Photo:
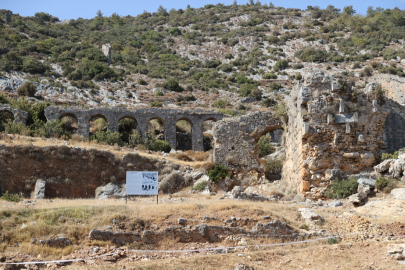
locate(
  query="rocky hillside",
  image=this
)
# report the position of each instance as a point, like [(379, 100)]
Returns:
[(231, 58)]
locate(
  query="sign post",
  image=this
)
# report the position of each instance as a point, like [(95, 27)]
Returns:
[(142, 183)]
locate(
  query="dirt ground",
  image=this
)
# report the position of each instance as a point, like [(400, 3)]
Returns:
[(357, 252)]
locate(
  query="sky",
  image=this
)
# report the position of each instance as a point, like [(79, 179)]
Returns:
[(73, 9)]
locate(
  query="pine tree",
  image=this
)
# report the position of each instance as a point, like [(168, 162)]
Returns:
[(235, 3), (100, 14)]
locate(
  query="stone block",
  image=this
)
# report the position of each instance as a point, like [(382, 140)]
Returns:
[(351, 155), (40, 189), (346, 118), (304, 186), (398, 193)]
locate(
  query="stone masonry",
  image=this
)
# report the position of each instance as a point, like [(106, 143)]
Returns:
[(331, 132), (142, 116), (236, 138), (19, 116)]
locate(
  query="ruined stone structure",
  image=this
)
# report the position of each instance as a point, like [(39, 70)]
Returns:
[(236, 138), (169, 117), (19, 116), (106, 49), (331, 132), (68, 172), (201, 233), (394, 89)]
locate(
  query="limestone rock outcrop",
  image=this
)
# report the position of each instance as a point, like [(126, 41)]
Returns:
[(106, 49)]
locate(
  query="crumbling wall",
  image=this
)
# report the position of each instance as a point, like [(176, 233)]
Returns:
[(236, 138), (68, 172), (19, 115), (330, 133), (394, 90)]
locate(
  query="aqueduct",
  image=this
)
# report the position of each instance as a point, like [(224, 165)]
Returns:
[(168, 117)]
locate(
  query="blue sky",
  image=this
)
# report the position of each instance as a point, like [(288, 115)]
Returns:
[(73, 9)]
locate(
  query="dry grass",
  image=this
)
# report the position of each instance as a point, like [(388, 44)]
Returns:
[(74, 219), (13, 140)]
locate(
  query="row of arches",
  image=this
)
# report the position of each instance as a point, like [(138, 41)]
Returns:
[(127, 125)]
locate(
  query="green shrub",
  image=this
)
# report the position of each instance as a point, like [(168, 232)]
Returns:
[(273, 166), (142, 82), (264, 145), (28, 89), (10, 197), (381, 183), (107, 137), (156, 103), (174, 31), (160, 145), (135, 138), (159, 93), (274, 86), (218, 172), (332, 241), (385, 156), (298, 77), (190, 98), (246, 90), (221, 103), (269, 76), (33, 66), (392, 183), (256, 93), (19, 128), (342, 188), (173, 85), (311, 55), (53, 128), (280, 65), (268, 102), (200, 186)]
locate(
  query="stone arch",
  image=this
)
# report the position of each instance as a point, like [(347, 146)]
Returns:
[(184, 134), (97, 124), (70, 122), (126, 126), (157, 130)]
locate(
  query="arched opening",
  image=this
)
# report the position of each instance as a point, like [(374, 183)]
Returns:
[(127, 126), (208, 134), (184, 134), (5, 117), (156, 128), (271, 152), (70, 123), (97, 123)]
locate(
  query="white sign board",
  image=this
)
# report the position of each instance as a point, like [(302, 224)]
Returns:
[(142, 183)]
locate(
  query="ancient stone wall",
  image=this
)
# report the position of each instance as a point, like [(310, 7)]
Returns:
[(330, 133), (68, 172), (169, 117), (200, 233), (394, 90), (236, 138), (19, 116)]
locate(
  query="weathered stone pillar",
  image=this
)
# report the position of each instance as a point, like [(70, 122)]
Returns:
[(83, 126), (197, 137), (170, 133), (142, 128), (112, 126)]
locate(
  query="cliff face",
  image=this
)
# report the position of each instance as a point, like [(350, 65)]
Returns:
[(332, 130), (68, 172)]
